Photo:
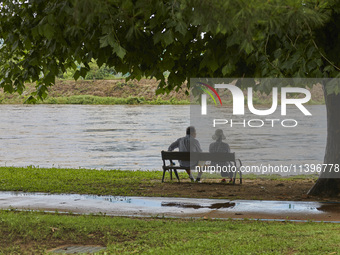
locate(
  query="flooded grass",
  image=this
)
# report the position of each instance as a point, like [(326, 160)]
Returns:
[(35, 233)]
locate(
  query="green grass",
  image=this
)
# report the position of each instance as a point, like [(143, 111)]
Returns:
[(82, 181), (35, 233), (99, 182)]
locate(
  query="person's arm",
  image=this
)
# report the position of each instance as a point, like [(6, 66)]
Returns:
[(197, 146), (174, 145)]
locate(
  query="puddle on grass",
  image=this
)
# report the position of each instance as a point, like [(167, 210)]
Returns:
[(155, 204)]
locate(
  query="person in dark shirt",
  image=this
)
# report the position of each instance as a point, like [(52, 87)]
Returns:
[(220, 146)]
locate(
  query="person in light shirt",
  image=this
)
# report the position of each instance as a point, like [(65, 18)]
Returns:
[(187, 143)]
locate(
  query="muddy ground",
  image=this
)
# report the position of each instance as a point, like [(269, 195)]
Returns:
[(253, 189)]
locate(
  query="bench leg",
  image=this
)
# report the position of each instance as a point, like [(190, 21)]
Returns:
[(163, 175), (170, 174), (176, 174), (240, 176)]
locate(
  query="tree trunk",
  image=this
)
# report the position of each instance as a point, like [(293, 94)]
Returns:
[(328, 183)]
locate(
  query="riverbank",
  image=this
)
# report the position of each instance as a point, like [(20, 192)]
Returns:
[(148, 183), (118, 91), (101, 92)]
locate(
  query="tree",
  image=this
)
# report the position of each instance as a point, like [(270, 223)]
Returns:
[(188, 38)]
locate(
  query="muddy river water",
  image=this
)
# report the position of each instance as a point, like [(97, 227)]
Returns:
[(131, 137)]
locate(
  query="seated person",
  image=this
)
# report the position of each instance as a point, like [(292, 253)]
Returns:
[(187, 143), (220, 146)]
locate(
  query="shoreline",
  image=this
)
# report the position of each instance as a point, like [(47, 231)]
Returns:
[(118, 91)]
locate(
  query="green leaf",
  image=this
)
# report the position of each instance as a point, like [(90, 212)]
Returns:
[(35, 31), (104, 41), (49, 79), (227, 69), (157, 37), (129, 34), (15, 45), (30, 100), (127, 5), (51, 19), (76, 75), (112, 40), (119, 50), (168, 37), (48, 31), (248, 48), (181, 28), (83, 71)]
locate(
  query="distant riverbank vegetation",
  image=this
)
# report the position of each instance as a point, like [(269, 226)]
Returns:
[(101, 92), (103, 86)]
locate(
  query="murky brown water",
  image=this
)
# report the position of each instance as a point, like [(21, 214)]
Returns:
[(101, 137), (131, 137)]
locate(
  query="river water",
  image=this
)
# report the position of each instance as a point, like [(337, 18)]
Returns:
[(131, 137)]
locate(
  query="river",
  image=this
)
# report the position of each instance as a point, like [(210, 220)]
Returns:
[(131, 137)]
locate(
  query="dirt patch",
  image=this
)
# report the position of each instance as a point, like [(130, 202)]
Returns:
[(254, 189)]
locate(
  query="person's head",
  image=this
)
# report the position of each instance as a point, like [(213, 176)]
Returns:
[(218, 135), (191, 131)]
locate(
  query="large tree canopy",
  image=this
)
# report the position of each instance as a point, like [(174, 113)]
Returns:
[(188, 38)]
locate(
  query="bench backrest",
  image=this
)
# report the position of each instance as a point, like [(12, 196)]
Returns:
[(198, 156)]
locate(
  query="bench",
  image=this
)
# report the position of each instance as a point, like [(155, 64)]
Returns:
[(195, 157)]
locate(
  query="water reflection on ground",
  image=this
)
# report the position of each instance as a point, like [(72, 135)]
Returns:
[(167, 206)]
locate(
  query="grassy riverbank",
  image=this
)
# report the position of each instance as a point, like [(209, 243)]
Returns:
[(148, 183), (36, 233), (118, 91), (96, 100), (101, 92), (81, 181)]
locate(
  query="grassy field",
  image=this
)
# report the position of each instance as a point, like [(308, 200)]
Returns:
[(81, 181), (36, 233), (131, 183)]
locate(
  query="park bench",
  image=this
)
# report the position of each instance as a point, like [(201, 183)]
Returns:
[(170, 156)]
